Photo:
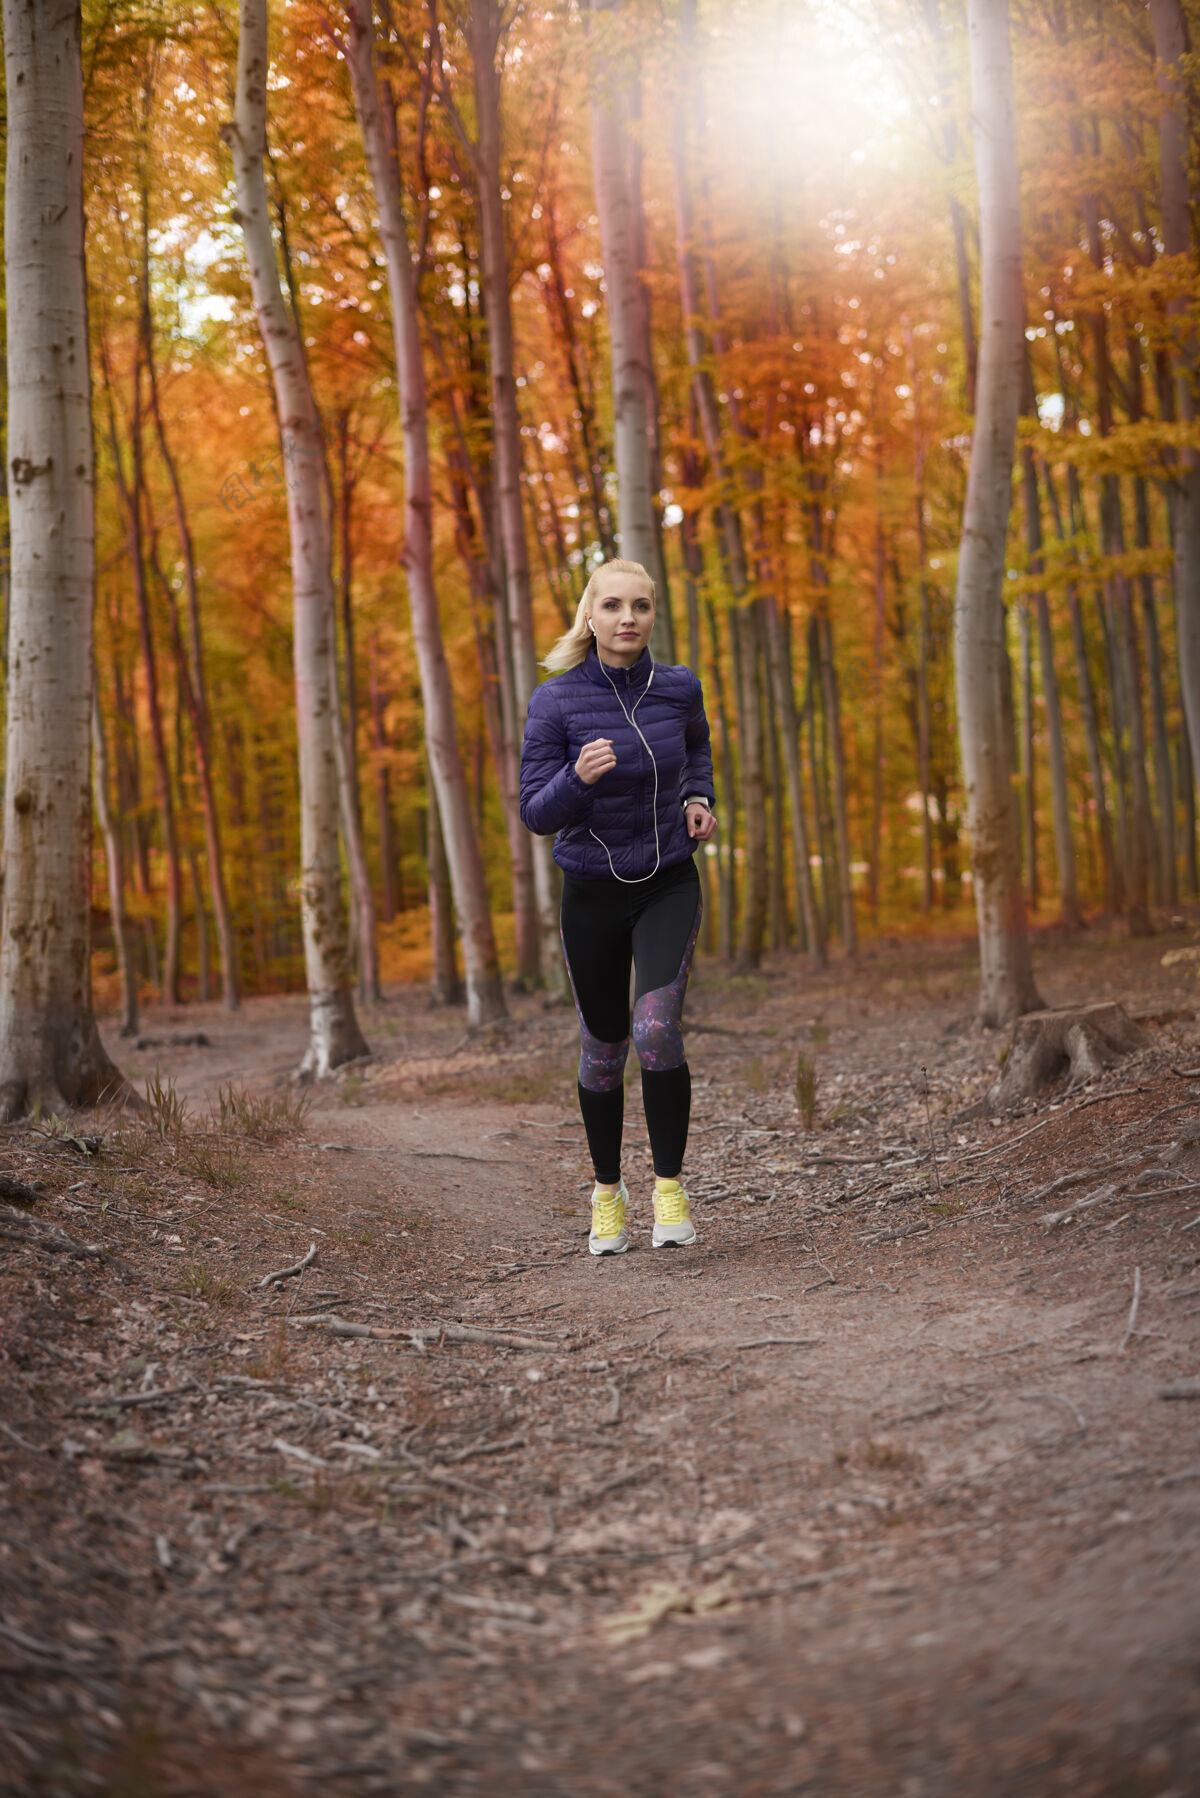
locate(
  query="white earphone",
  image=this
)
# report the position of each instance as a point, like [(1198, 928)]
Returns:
[(631, 718)]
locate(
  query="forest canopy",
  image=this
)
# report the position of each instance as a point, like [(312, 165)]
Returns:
[(746, 236)]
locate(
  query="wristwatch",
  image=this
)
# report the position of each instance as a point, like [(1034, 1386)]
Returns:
[(699, 799)]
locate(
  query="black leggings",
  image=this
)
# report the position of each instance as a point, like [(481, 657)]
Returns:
[(606, 927)]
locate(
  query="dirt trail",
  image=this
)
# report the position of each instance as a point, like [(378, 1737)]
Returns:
[(872, 1491)]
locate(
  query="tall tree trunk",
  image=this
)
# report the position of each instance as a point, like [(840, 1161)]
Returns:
[(1170, 47), (727, 867), (777, 887), (1026, 764), (50, 1049), (484, 24), (560, 307), (632, 378), (346, 739), (1168, 880), (445, 985), (744, 635), (1087, 699), (785, 704), (116, 874), (841, 819), (132, 495), (485, 997), (392, 899), (813, 711), (1187, 799), (335, 1036), (1007, 985), (192, 665), (877, 711), (1064, 846)]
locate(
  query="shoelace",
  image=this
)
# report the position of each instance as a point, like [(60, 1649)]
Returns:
[(671, 1207), (606, 1219)]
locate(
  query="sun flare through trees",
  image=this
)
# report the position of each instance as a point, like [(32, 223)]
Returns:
[(699, 284)]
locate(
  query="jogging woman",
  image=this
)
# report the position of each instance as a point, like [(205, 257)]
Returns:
[(616, 762)]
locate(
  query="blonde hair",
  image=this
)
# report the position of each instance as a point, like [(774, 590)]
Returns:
[(573, 645)]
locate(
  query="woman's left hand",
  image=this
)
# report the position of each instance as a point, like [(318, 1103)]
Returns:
[(701, 823)]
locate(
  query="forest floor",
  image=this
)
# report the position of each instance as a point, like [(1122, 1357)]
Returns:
[(886, 1486)]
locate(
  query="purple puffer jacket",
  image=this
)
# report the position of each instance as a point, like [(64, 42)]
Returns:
[(609, 829)]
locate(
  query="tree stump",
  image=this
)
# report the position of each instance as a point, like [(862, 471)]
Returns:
[(1081, 1041)]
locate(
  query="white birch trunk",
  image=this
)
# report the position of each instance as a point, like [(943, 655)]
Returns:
[(50, 1050), (483, 30), (1170, 45), (335, 1035), (485, 996), (637, 534), (981, 658)]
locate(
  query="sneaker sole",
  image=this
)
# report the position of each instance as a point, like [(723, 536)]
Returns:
[(674, 1242), (621, 1250)]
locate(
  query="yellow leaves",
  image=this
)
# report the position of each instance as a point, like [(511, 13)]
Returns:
[(663, 1600)]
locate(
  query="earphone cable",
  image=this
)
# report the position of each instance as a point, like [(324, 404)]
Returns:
[(631, 719)]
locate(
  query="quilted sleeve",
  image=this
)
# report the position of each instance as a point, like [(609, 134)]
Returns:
[(552, 794)]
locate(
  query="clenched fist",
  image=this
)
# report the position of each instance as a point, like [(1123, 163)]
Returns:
[(595, 759), (700, 822)]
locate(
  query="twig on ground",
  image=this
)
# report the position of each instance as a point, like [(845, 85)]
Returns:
[(1183, 1389), (296, 1453), (474, 1450), (1195, 1223), (625, 1479), (1133, 1310), (34, 1448), (420, 1334), (290, 1273), (896, 1235), (1051, 1220), (125, 1400), (48, 1650), (779, 1342), (614, 1413)]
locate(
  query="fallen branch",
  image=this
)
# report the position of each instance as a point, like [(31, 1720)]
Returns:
[(1050, 1220), (289, 1273), (341, 1326), (33, 1447), (1078, 1177), (1184, 1389), (419, 1334), (896, 1235), (779, 1342), (1133, 1310), (474, 1450), (126, 1400), (297, 1454)]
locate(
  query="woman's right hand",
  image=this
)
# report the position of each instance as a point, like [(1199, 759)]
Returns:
[(595, 759)]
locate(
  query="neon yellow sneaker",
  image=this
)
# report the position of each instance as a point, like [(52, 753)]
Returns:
[(608, 1234), (673, 1226)]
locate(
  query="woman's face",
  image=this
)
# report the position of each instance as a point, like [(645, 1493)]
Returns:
[(622, 618)]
